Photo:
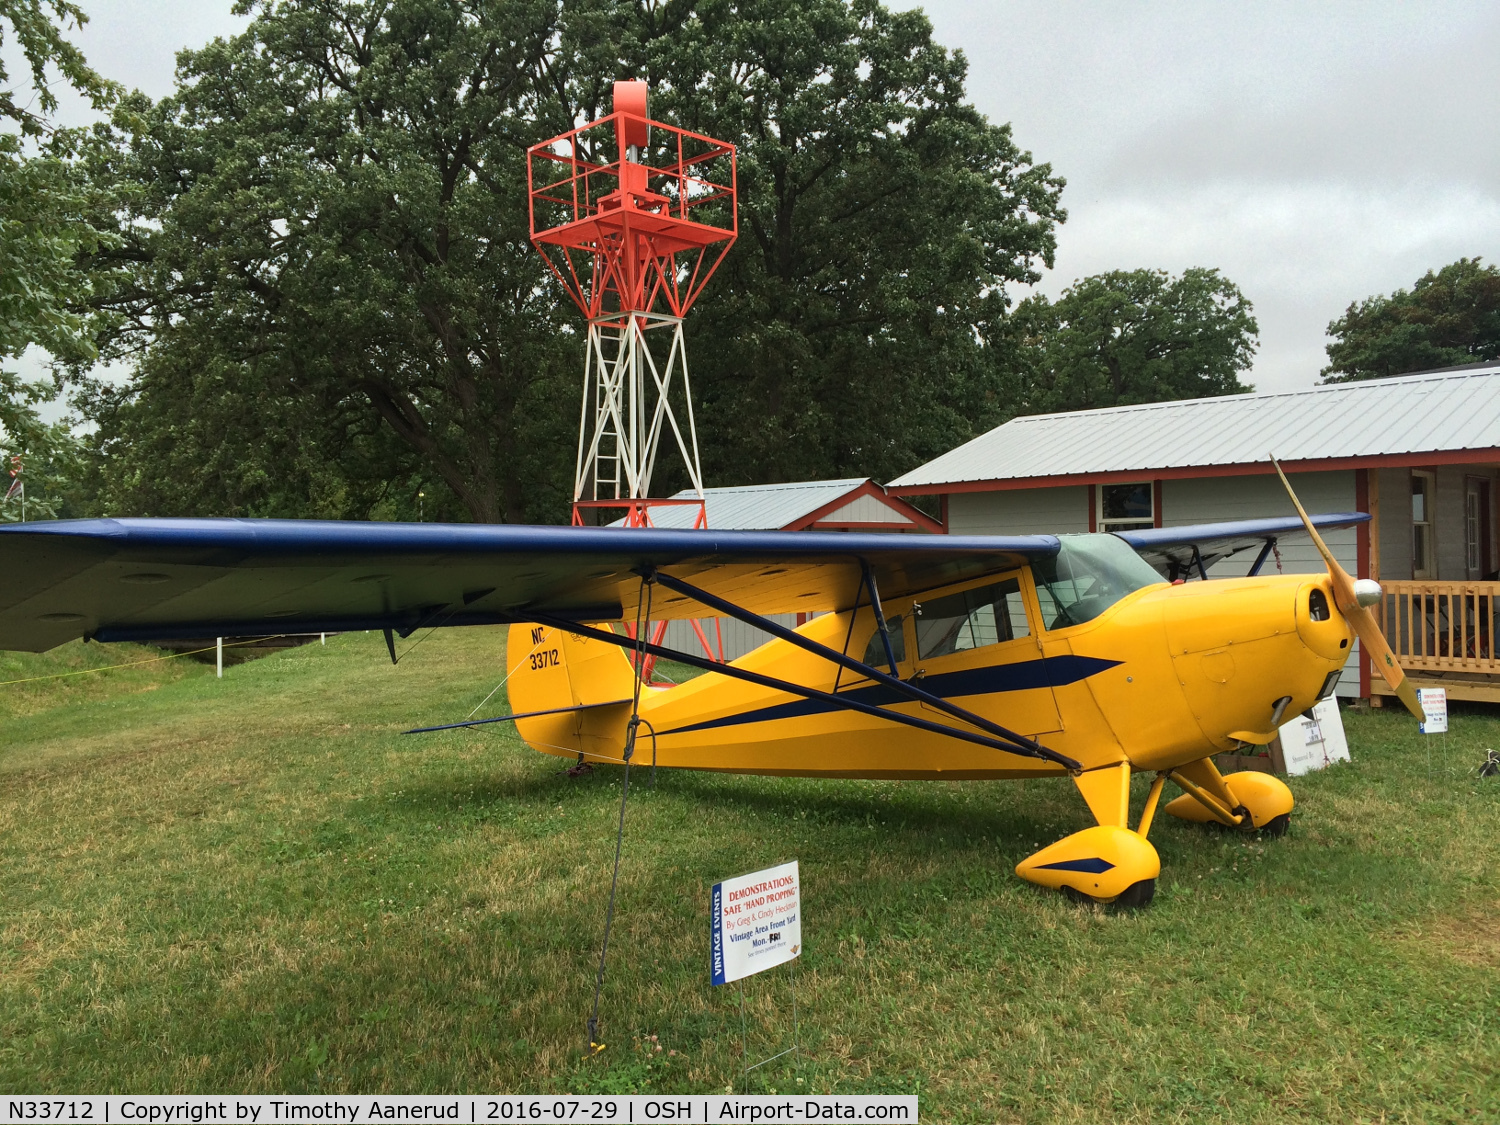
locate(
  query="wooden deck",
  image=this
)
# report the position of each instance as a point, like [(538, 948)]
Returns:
[(1443, 633)]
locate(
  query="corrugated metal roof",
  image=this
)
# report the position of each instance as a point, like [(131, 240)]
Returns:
[(1431, 412), (755, 507)]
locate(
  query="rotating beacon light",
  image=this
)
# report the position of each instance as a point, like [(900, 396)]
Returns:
[(633, 217)]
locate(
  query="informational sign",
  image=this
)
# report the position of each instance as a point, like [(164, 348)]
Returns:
[(1309, 744), (756, 922), (1434, 701)]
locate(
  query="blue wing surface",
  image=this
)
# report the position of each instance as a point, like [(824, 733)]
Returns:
[(1171, 549), (149, 579)]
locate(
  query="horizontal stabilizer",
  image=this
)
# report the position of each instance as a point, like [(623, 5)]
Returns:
[(513, 718)]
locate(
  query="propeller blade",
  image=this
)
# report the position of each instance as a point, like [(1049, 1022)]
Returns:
[(1360, 619)]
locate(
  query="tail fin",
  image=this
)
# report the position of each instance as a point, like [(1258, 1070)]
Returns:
[(552, 669)]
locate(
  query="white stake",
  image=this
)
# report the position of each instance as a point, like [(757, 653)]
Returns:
[(220, 649), (323, 638)]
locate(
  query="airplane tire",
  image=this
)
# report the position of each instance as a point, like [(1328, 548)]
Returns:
[(1277, 825), (1137, 896), (1134, 897)]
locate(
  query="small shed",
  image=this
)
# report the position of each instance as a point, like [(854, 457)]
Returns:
[(851, 504), (1420, 453)]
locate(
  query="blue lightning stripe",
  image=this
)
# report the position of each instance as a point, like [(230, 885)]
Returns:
[(1094, 866), (1054, 671)]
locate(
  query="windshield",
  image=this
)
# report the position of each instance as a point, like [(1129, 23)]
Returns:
[(1089, 574)]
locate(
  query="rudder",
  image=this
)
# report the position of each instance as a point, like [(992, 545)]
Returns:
[(550, 669)]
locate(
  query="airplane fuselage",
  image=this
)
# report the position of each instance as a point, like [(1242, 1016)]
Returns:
[(1163, 676)]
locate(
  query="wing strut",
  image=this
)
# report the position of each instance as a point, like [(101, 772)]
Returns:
[(1029, 746), (885, 632), (1260, 559)]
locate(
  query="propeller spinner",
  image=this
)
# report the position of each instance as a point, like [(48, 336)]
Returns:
[(1353, 599)]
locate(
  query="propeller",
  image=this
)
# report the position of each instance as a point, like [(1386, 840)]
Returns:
[(1353, 599)]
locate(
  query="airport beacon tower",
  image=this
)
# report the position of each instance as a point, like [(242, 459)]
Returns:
[(633, 217)]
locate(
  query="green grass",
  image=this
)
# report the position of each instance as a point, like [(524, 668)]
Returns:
[(258, 884)]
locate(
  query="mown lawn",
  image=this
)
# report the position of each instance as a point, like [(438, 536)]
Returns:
[(259, 884)]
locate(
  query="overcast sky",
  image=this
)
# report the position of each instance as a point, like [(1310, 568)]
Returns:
[(1316, 153)]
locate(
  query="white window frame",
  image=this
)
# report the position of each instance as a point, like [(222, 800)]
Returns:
[(1429, 570), (1474, 552)]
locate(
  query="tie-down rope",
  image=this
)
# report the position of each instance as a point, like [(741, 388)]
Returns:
[(642, 619)]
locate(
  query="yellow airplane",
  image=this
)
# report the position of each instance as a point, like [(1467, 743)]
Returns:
[(940, 656), (1083, 664)]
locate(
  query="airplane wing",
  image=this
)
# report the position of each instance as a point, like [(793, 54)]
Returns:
[(1177, 551), (149, 579)]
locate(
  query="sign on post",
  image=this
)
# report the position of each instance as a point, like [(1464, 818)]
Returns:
[(756, 922), (1434, 701)]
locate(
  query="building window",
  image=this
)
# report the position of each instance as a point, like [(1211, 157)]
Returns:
[(1477, 527), (1423, 492), (1471, 532), (1126, 507)]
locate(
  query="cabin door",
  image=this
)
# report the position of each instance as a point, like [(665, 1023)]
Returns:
[(977, 646)]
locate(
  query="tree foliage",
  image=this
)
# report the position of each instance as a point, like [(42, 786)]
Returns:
[(1132, 336), (883, 218), (42, 225), (44, 232), (1448, 318), (38, 27), (324, 233)]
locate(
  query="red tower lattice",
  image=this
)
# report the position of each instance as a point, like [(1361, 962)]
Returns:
[(633, 216)]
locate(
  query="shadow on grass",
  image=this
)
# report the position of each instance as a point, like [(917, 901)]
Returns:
[(1025, 813)]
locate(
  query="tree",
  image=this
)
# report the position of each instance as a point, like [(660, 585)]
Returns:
[(43, 234), (1132, 336), (1449, 318), (328, 221), (882, 219)]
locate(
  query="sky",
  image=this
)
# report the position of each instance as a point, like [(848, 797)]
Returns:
[(1316, 152)]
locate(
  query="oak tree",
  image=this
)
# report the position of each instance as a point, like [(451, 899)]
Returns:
[(44, 231), (324, 230), (1448, 318), (1132, 336)]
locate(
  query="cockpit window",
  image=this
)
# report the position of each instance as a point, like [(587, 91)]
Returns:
[(875, 655), (1087, 576), (969, 619)]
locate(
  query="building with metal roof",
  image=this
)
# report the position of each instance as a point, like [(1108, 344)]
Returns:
[(851, 504), (1455, 413), (1420, 453)]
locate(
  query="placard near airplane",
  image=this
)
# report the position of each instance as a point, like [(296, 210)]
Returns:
[(756, 922), (1434, 702), (1309, 744)]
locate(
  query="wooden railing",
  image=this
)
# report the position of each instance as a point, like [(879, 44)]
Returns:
[(1441, 626)]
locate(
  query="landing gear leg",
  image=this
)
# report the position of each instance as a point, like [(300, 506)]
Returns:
[(1108, 864), (1247, 801)]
